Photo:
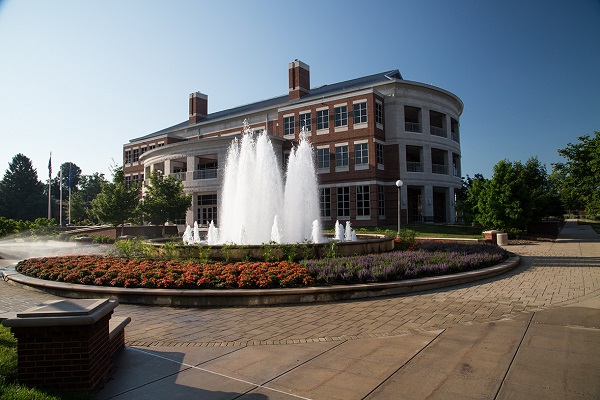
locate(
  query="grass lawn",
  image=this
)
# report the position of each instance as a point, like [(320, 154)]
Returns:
[(10, 389), (594, 224), (430, 230)]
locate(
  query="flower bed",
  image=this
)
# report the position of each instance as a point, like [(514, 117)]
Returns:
[(431, 258)]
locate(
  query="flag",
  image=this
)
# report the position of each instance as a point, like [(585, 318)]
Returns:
[(70, 165), (50, 167)]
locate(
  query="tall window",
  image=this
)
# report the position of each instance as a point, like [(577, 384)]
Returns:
[(341, 156), (379, 152), (323, 158), (127, 156), (363, 203), (136, 155), (360, 113), (322, 119), (341, 116), (343, 201), (288, 125), (306, 122), (325, 202), (379, 113), (127, 181), (207, 209), (361, 153), (381, 199)]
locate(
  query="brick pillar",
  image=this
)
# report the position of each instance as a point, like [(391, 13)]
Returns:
[(64, 357)]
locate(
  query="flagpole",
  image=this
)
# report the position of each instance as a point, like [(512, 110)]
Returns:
[(49, 186), (60, 197), (70, 193)]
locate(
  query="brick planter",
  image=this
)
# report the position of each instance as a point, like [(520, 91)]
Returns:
[(66, 344)]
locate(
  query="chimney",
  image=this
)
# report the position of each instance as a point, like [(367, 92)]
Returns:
[(299, 74), (198, 107)]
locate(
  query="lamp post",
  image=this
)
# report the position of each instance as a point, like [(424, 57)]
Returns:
[(399, 183)]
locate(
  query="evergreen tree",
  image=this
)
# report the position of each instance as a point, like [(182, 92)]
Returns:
[(164, 199), (21, 194)]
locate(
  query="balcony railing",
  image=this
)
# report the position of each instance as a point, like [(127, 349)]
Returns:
[(210, 173), (180, 175), (439, 169), (437, 131), (412, 127), (414, 166), (456, 172), (455, 137)]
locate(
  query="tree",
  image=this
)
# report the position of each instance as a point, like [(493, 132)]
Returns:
[(466, 203), (516, 195), (164, 199), (579, 182), (21, 194), (90, 186), (117, 203)]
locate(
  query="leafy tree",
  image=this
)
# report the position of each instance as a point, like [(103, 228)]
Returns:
[(164, 199), (516, 195), (466, 203), (579, 176), (79, 212), (117, 203), (90, 186), (21, 194)]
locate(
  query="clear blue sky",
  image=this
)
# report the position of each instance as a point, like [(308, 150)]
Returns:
[(81, 78)]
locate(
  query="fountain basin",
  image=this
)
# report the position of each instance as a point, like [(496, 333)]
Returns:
[(368, 244)]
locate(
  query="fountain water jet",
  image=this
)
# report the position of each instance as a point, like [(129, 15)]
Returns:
[(253, 192)]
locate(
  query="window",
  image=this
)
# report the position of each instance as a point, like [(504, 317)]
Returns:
[(379, 153), (151, 147), (379, 113), (361, 153), (341, 156), (128, 181), (322, 119), (381, 199), (412, 119), (323, 158), (127, 156), (136, 178), (363, 203), (207, 209), (161, 144), (341, 116), (325, 202), (136, 155), (343, 201), (143, 150), (360, 113), (306, 121), (288, 125)]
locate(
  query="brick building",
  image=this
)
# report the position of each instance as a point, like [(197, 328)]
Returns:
[(367, 133)]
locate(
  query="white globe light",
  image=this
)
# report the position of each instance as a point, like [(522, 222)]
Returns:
[(399, 183)]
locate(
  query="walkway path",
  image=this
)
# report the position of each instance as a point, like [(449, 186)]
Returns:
[(470, 341)]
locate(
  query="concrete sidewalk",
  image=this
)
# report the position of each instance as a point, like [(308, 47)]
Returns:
[(531, 333)]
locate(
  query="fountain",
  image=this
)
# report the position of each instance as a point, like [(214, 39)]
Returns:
[(254, 192), (258, 206)]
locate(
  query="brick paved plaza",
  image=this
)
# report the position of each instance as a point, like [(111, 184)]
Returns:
[(555, 281)]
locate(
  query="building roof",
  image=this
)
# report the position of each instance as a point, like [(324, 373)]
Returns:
[(363, 82)]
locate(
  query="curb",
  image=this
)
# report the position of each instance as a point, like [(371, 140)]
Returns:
[(260, 297)]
